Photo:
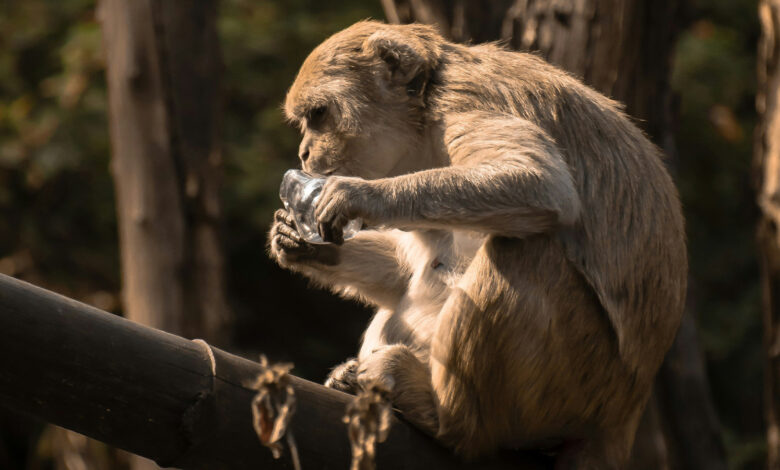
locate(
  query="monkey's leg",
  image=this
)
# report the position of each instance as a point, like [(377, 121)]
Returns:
[(396, 368), (606, 450), (522, 355), (344, 377), (468, 381)]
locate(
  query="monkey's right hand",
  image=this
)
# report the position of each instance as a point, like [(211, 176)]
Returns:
[(288, 248)]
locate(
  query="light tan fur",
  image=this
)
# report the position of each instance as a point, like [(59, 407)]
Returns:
[(525, 244)]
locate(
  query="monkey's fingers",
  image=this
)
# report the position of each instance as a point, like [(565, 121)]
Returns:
[(289, 232), (331, 220), (289, 238), (330, 233), (289, 251), (289, 244), (283, 216), (281, 237)]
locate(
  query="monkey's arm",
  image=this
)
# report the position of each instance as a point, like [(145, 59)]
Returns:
[(365, 267), (507, 178), (369, 269)]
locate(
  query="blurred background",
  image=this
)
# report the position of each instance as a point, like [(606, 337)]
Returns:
[(64, 202)]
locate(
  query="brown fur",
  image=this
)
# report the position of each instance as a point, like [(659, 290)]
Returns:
[(526, 247)]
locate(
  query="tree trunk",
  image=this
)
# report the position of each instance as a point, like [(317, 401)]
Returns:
[(163, 68), (163, 65), (623, 49), (767, 155)]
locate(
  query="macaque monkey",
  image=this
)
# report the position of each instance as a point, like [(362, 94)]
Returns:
[(524, 244)]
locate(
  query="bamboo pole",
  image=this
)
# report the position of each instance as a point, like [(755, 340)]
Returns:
[(181, 403)]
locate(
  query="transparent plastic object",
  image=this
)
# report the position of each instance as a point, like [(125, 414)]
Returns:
[(300, 193)]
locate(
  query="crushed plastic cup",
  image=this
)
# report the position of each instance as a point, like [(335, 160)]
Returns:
[(300, 193)]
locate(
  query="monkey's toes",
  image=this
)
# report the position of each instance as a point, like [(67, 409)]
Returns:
[(344, 377)]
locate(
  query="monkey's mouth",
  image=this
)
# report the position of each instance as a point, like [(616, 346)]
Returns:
[(322, 170), (338, 171), (327, 170)]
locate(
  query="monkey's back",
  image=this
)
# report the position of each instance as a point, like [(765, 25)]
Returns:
[(629, 243)]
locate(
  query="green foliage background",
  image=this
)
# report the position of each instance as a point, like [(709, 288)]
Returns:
[(58, 228)]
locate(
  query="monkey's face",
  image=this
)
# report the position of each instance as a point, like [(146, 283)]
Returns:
[(385, 144), (358, 102)]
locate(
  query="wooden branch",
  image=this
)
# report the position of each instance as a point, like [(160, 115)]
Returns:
[(181, 403)]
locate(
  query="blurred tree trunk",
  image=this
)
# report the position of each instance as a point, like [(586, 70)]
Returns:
[(767, 157), (624, 49), (163, 69)]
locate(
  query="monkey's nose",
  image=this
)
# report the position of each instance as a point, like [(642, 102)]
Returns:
[(304, 155)]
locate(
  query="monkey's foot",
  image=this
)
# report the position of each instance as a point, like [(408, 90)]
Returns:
[(396, 369), (343, 377)]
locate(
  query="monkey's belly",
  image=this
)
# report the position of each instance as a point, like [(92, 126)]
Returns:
[(412, 322), (438, 259)]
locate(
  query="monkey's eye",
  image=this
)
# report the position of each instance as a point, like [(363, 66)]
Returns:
[(316, 116)]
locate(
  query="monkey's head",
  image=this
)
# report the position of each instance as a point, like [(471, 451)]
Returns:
[(359, 100)]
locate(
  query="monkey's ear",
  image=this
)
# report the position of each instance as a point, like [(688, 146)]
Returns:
[(410, 54)]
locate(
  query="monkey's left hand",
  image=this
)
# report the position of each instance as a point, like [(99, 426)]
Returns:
[(343, 199), (287, 246)]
